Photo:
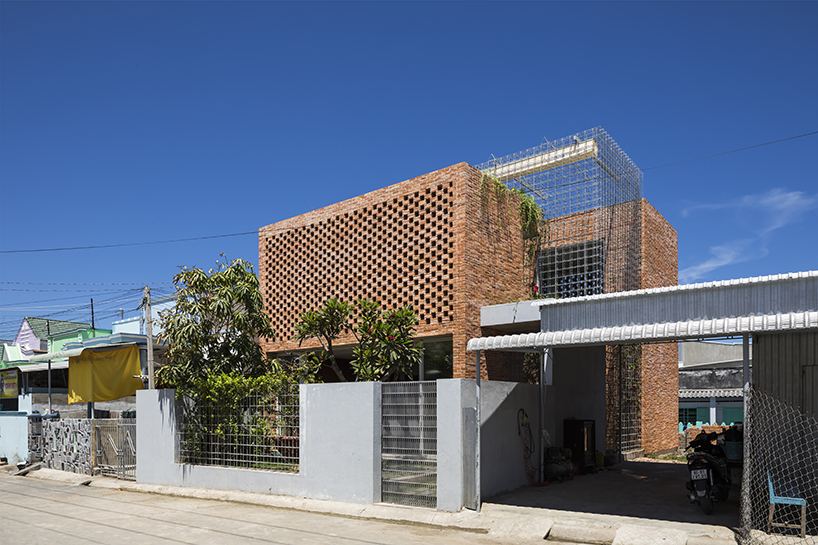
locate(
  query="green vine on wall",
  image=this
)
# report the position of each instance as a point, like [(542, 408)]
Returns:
[(531, 221)]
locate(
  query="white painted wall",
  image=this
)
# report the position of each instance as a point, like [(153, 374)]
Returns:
[(14, 437)]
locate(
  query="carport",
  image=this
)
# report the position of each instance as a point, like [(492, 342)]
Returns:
[(783, 308)]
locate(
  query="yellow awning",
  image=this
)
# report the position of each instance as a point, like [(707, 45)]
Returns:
[(103, 375)]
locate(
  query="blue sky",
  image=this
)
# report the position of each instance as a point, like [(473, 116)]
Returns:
[(143, 121)]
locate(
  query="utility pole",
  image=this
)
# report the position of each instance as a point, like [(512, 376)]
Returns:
[(48, 330), (146, 302), (92, 315)]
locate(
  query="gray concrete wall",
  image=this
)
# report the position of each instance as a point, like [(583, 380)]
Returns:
[(341, 444), (340, 447), (579, 390), (701, 352), (502, 458), (14, 436), (455, 462)]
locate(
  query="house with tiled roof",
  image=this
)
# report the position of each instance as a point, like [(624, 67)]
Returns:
[(32, 337)]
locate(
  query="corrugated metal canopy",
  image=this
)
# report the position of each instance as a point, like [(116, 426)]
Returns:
[(32, 367), (59, 355), (672, 331), (700, 393)]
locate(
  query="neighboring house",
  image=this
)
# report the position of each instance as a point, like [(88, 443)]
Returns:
[(32, 337), (135, 325), (451, 241), (711, 383)]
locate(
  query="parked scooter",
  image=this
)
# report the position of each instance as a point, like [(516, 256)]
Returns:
[(709, 475)]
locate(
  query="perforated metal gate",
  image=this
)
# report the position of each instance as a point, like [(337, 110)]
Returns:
[(409, 443)]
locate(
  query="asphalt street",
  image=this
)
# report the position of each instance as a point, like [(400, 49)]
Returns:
[(44, 512)]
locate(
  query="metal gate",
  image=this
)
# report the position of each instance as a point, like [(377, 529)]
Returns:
[(115, 447), (409, 443)]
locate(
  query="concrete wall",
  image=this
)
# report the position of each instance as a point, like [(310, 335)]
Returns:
[(14, 436), (455, 459), (340, 447), (341, 444), (502, 458), (699, 352)]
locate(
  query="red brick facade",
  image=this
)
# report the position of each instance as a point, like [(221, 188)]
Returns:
[(660, 362), (436, 242), (447, 243)]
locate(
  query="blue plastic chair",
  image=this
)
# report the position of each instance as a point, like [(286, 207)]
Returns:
[(791, 496)]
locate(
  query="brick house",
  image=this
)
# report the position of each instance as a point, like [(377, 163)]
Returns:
[(449, 243)]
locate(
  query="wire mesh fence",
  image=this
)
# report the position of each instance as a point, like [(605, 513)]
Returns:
[(115, 447), (257, 431), (409, 443), (779, 501)]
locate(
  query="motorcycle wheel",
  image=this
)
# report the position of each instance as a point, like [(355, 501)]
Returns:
[(723, 493), (707, 504)]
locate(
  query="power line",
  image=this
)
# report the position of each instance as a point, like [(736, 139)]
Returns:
[(86, 283), (98, 290), (126, 244), (121, 245), (731, 151)]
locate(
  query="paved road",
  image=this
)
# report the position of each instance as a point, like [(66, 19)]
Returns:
[(45, 512)]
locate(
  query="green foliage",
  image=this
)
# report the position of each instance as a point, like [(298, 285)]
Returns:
[(237, 419), (385, 348), (531, 223), (215, 325), (325, 324)]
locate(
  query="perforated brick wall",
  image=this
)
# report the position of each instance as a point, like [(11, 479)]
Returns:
[(434, 242)]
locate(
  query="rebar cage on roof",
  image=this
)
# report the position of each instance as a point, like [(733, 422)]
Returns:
[(589, 191)]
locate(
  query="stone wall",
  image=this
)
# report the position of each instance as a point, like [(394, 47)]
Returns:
[(68, 445)]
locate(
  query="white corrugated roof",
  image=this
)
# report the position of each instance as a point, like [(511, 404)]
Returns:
[(693, 329), (31, 367), (710, 392), (684, 287)]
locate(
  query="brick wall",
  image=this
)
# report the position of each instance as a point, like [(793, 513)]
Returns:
[(660, 362), (436, 242)]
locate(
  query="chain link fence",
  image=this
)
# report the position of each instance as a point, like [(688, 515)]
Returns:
[(779, 502), (259, 431)]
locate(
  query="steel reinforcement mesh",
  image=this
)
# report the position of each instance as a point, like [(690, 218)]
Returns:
[(779, 497), (623, 412), (589, 191), (409, 443)]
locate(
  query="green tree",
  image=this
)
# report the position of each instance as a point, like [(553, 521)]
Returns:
[(324, 324), (215, 324), (385, 348)]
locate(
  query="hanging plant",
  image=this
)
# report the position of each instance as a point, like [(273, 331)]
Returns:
[(531, 222)]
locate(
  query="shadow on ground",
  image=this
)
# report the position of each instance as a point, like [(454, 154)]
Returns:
[(642, 489)]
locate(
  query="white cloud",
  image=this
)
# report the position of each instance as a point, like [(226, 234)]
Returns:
[(770, 211), (732, 252)]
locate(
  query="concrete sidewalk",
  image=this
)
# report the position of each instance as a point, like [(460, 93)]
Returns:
[(505, 522)]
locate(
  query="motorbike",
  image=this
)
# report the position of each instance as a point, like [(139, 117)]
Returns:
[(709, 475)]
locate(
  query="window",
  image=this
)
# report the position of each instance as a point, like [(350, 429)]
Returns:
[(572, 270), (687, 415)]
